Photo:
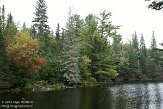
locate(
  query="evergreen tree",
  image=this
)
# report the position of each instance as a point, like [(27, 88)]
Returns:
[(41, 20), (153, 42), (24, 29), (154, 58), (122, 61), (70, 53), (142, 44), (58, 38), (96, 48), (106, 28), (87, 33), (1, 45), (105, 54), (1, 55), (143, 55), (134, 62), (5, 76), (135, 43), (104, 23), (117, 43), (33, 31), (11, 28), (57, 33), (3, 18)]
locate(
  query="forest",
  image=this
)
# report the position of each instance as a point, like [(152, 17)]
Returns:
[(85, 52)]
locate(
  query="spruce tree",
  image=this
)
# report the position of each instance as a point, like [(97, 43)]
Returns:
[(134, 63), (41, 20), (70, 53), (10, 29), (1, 45), (153, 42), (3, 18), (25, 29), (153, 58), (142, 43), (143, 55), (57, 33), (117, 43), (58, 38), (135, 43), (4, 77)]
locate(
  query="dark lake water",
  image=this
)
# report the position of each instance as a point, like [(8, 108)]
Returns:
[(121, 96)]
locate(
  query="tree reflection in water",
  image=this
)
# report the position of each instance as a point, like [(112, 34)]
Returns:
[(121, 96), (133, 96)]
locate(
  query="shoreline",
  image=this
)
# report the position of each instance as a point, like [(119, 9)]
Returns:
[(41, 88)]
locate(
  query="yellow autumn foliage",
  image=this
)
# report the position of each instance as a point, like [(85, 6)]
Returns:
[(22, 51)]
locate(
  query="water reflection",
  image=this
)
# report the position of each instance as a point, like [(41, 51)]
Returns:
[(158, 99), (123, 96), (136, 96)]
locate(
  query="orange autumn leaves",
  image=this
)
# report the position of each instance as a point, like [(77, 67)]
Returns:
[(22, 51)]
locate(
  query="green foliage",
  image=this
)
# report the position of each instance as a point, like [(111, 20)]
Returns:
[(89, 82), (59, 41), (134, 63), (1, 44), (70, 52), (153, 42), (103, 75), (40, 20), (122, 64), (10, 29), (143, 55), (117, 43), (5, 76), (106, 28), (49, 73), (84, 64), (135, 43), (56, 86), (25, 29), (85, 52), (95, 44), (20, 83), (88, 32), (22, 53), (3, 19), (48, 44)]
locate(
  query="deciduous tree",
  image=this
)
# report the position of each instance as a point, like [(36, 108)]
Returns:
[(22, 52)]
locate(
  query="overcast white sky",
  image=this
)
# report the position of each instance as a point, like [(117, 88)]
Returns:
[(133, 15)]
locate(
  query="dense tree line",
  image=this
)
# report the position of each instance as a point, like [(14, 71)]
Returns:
[(86, 51)]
